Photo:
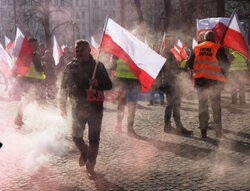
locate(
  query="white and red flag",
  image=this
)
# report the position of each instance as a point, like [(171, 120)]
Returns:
[(235, 37), (176, 53), (57, 51), (194, 43), (8, 45), (179, 51), (22, 52), (143, 62), (94, 47), (217, 25), (5, 62)]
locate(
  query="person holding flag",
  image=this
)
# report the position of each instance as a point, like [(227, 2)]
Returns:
[(31, 80), (78, 79), (210, 65), (172, 91)]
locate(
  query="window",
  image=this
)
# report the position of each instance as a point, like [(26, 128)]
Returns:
[(76, 3), (83, 26), (83, 15), (84, 3), (77, 16), (105, 3)]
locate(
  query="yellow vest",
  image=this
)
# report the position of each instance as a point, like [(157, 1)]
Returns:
[(32, 73), (239, 62), (123, 71)]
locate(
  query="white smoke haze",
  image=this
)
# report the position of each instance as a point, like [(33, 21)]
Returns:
[(43, 135)]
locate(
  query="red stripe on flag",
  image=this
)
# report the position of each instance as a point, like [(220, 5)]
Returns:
[(111, 47), (93, 51), (24, 59), (176, 54), (237, 44), (219, 30)]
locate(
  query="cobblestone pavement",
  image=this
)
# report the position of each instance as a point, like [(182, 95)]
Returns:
[(153, 161)]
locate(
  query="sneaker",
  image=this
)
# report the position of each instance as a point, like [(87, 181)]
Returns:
[(203, 133), (169, 129), (183, 131)]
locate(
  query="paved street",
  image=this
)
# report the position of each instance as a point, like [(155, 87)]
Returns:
[(41, 155)]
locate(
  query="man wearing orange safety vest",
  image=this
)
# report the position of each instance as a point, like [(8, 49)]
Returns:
[(210, 64)]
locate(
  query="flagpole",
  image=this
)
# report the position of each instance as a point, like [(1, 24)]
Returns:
[(163, 38), (99, 49), (228, 26)]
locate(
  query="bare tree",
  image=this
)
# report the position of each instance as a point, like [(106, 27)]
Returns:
[(40, 12), (141, 29), (139, 11), (220, 8), (167, 5)]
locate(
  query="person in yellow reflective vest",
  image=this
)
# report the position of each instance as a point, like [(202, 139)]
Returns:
[(126, 82), (237, 76), (31, 82)]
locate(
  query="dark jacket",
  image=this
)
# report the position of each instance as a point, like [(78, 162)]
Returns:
[(50, 69), (223, 63), (75, 83), (63, 61), (36, 59), (170, 72)]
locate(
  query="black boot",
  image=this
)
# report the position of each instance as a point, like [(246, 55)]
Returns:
[(203, 133), (168, 128), (183, 131), (83, 148)]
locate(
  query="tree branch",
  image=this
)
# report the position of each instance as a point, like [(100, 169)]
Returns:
[(53, 30)]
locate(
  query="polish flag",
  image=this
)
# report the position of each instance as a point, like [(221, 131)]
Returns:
[(176, 53), (62, 48), (5, 62), (179, 51), (8, 45), (218, 25), (235, 37), (182, 48), (194, 43), (94, 47), (143, 62), (57, 51), (22, 53)]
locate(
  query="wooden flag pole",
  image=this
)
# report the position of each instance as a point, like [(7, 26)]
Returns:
[(99, 50), (163, 39)]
